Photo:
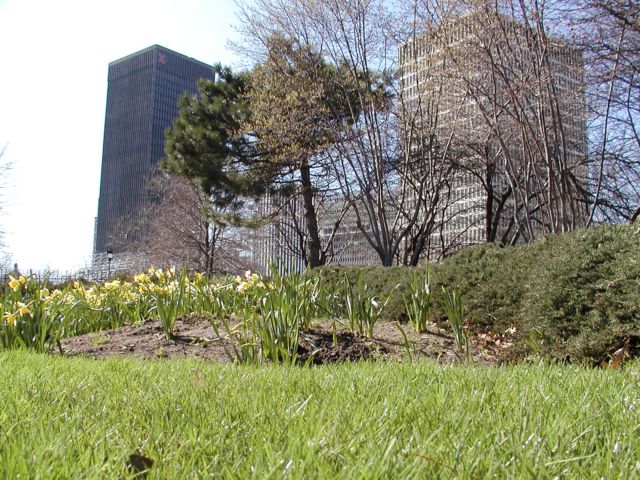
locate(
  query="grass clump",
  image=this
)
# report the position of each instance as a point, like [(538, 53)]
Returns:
[(362, 309), (170, 303), (388, 283), (454, 310), (418, 301)]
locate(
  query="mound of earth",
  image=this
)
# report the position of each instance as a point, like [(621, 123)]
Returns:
[(195, 337), (323, 347)]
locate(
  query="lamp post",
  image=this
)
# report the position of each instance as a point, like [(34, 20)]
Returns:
[(109, 258)]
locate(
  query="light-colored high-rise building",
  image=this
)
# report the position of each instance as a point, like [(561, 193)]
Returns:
[(279, 242), (508, 104), (348, 245)]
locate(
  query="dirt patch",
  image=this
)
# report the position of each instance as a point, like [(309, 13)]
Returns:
[(324, 343), (193, 337), (323, 346)]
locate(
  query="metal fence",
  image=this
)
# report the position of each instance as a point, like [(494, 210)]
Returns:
[(50, 276), (99, 271)]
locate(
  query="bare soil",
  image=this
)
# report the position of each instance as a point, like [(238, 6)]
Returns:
[(195, 337)]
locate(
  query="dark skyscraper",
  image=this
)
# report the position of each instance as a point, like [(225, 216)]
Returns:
[(142, 97)]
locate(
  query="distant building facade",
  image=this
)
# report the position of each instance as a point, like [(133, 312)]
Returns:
[(480, 110), (142, 98), (349, 247), (282, 240)]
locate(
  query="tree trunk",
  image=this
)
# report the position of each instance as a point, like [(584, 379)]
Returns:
[(490, 233), (418, 246), (310, 216)]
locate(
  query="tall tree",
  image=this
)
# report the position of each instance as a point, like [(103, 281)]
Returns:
[(609, 32), (521, 89), (206, 143), (185, 228), (402, 163), (296, 116), (360, 40), (182, 228)]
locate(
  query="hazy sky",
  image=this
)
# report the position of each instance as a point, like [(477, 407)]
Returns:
[(53, 87)]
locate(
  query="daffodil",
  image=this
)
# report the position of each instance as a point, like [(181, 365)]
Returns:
[(10, 319), (113, 285), (141, 278), (23, 309), (14, 284)]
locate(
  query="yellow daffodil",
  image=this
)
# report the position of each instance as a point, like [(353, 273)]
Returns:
[(22, 280), (23, 309), (14, 284), (10, 319), (113, 285), (141, 278)]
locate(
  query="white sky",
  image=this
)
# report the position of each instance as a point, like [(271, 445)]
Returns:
[(54, 57)]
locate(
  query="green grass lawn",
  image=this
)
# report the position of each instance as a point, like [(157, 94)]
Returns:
[(76, 418)]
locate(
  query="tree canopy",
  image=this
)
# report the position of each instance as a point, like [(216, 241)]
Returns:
[(265, 131), (206, 143)]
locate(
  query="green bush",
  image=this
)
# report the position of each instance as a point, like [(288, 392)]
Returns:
[(582, 299), (570, 297)]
